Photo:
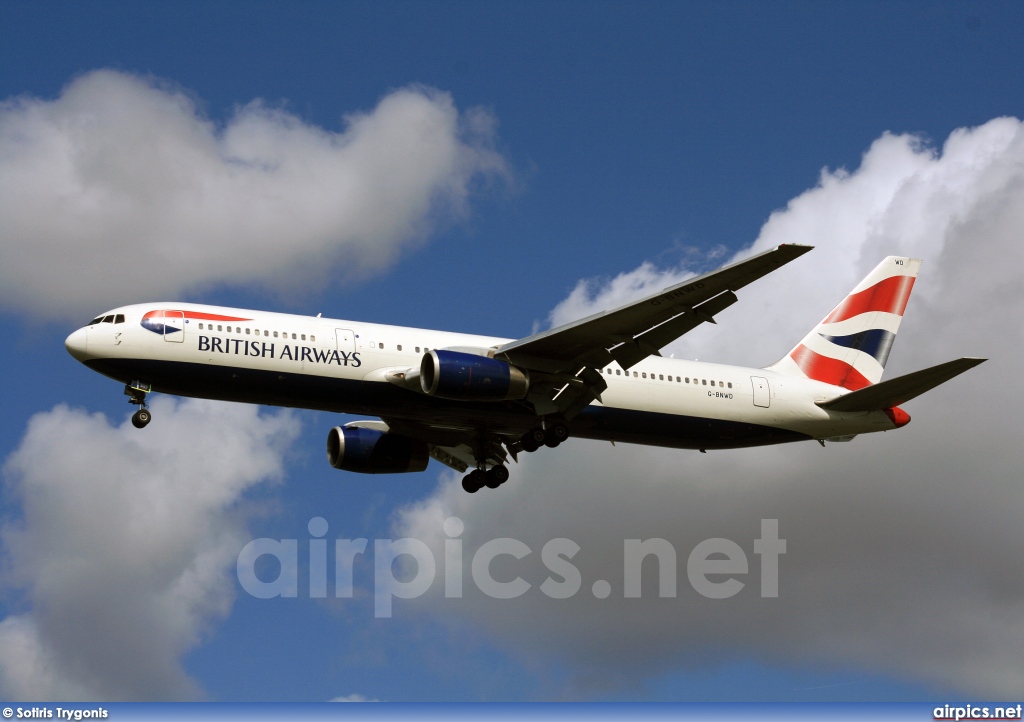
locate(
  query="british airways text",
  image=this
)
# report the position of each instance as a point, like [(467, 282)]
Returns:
[(267, 350)]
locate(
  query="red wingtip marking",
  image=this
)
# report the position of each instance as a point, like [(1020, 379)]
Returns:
[(898, 416)]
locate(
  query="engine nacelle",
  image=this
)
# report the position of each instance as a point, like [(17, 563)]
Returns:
[(371, 451), (468, 377)]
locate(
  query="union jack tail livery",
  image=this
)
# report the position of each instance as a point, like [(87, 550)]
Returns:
[(850, 346)]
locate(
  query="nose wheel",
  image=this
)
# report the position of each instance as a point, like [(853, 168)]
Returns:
[(136, 392)]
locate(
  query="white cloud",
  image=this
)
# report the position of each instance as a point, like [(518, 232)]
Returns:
[(125, 550), (355, 697), (123, 190), (903, 548)]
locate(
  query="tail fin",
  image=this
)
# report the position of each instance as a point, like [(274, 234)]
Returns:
[(850, 346)]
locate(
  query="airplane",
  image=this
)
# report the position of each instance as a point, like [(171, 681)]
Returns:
[(472, 402)]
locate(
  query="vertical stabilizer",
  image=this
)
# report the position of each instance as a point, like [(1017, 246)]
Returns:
[(850, 346)]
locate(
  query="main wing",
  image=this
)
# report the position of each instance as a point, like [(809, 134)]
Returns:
[(632, 332), (564, 361)]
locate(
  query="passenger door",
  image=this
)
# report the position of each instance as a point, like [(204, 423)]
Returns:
[(762, 392)]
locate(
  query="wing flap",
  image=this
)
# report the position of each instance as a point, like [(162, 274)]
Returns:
[(891, 393), (648, 343)]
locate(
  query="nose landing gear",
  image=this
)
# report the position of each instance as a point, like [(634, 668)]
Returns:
[(136, 392)]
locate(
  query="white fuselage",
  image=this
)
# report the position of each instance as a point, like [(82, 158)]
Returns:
[(342, 366)]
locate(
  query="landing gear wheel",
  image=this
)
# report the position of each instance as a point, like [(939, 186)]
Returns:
[(556, 433), (497, 476), (532, 439), (473, 481), (136, 391)]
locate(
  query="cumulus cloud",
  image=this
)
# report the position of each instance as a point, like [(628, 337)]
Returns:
[(123, 555), (123, 189), (903, 547)]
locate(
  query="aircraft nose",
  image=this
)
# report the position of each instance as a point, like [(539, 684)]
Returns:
[(78, 343)]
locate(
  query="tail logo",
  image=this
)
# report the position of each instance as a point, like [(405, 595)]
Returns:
[(888, 296), (850, 346)]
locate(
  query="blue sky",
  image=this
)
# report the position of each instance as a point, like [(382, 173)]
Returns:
[(631, 133)]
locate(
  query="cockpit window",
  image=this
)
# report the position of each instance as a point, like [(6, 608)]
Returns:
[(98, 319), (108, 319), (119, 318)]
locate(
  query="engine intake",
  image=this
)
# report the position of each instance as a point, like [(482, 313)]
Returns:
[(468, 377), (371, 451)]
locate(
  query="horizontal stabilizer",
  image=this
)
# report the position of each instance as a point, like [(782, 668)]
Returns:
[(887, 394)]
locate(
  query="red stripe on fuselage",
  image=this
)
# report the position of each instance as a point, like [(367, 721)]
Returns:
[(195, 315), (830, 370), (888, 296)]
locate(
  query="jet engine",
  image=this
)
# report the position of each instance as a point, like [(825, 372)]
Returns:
[(469, 377), (371, 451)]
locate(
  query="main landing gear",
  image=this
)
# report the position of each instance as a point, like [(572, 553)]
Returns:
[(551, 435), (136, 392), (477, 479)]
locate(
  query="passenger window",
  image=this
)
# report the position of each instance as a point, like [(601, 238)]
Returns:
[(643, 375), (617, 372), (634, 374), (275, 334), (220, 328), (704, 381), (721, 385), (119, 318), (399, 347), (303, 337), (417, 349), (730, 384), (312, 338), (200, 325), (248, 331), (380, 346), (660, 377)]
